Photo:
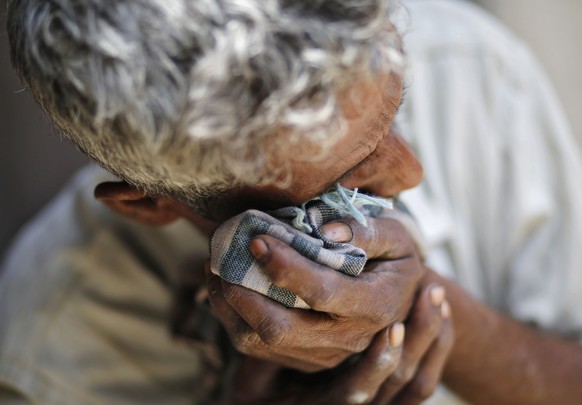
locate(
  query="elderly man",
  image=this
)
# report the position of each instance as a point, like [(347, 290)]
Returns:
[(205, 109)]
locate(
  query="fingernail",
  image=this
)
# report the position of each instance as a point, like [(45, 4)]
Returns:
[(259, 248), (437, 295), (446, 310), (337, 232), (396, 335)]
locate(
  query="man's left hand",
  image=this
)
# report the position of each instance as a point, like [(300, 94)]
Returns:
[(346, 311)]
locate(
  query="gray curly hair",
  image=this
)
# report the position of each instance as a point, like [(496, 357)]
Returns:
[(177, 97)]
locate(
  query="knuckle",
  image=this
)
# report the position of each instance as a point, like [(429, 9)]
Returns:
[(373, 239), (230, 292), (364, 237), (357, 228), (279, 277), (272, 333), (381, 313), (400, 249), (421, 388), (358, 345), (278, 256), (385, 314), (376, 315), (401, 239), (245, 342), (280, 259), (398, 228), (323, 296)]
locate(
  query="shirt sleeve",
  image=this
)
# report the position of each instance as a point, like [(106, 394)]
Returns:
[(543, 222), (85, 301), (502, 195)]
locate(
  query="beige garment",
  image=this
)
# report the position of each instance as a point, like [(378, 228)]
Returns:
[(84, 308), (501, 201)]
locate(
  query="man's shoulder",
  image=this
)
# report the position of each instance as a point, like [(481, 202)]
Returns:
[(39, 265), (76, 221), (79, 276), (76, 241), (456, 26), (67, 220)]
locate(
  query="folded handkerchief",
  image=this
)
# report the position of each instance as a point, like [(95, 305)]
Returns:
[(232, 260)]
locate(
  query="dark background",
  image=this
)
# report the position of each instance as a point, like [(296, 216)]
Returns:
[(35, 162)]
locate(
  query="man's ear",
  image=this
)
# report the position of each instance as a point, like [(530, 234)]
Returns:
[(136, 204)]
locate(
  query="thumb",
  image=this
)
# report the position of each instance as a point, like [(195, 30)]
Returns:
[(382, 238)]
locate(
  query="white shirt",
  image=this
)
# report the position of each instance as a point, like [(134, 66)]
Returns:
[(85, 294), (500, 203)]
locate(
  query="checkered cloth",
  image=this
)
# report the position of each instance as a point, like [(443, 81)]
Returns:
[(232, 260)]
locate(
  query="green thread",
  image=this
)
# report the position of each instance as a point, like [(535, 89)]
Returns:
[(345, 201)]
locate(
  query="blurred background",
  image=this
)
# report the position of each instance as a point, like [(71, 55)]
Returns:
[(35, 162)]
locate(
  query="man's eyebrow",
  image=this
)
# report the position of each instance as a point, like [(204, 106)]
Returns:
[(367, 158)]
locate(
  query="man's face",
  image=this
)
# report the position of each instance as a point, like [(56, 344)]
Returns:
[(371, 156)]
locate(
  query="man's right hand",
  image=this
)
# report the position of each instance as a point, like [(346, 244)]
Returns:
[(347, 312), (394, 369)]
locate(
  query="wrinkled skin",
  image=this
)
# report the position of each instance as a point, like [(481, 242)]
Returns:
[(349, 316)]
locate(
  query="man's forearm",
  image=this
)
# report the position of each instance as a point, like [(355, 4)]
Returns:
[(499, 360)]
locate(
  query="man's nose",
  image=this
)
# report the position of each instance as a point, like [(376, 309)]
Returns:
[(394, 169), (391, 183)]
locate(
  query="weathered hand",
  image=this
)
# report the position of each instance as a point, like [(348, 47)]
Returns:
[(429, 340), (256, 381), (347, 311), (386, 373)]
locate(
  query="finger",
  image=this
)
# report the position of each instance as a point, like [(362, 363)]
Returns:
[(381, 238), (252, 380), (422, 330), (429, 373), (363, 382), (232, 321), (312, 348), (248, 342), (282, 327), (324, 289), (241, 334)]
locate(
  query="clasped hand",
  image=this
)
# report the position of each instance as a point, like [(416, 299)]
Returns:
[(391, 313)]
